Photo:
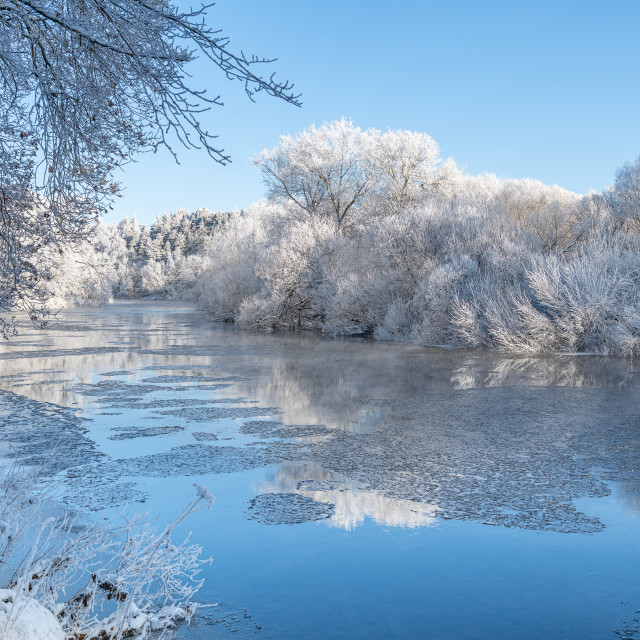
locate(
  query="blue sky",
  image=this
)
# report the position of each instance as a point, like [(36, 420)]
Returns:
[(547, 90)]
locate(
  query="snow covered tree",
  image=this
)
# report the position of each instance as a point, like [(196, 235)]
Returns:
[(409, 168), (624, 195), (324, 170), (341, 172), (85, 87), (550, 213)]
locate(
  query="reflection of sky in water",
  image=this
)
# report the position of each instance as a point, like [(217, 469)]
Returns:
[(435, 473)]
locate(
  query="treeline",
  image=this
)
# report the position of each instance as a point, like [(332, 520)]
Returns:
[(372, 233), (131, 260)]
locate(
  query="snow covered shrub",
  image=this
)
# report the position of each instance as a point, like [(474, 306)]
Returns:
[(448, 274), (234, 254), (549, 215), (439, 252), (271, 269), (291, 272), (434, 297), (73, 579), (181, 274), (356, 302), (222, 291), (84, 273), (129, 260), (370, 233), (152, 279), (585, 302)]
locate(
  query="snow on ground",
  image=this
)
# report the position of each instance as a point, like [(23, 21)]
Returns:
[(22, 618)]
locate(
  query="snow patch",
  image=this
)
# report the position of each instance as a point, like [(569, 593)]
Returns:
[(23, 618)]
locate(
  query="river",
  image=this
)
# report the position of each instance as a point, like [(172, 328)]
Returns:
[(363, 489)]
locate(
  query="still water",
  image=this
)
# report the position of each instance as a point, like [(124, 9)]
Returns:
[(363, 490)]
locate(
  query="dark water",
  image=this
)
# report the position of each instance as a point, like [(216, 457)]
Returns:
[(363, 490)]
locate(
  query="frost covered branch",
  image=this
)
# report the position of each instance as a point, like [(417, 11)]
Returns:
[(122, 578), (84, 88)]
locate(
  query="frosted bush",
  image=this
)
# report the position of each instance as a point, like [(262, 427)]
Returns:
[(151, 278), (434, 297), (291, 272), (396, 324), (360, 304), (109, 579), (84, 273), (222, 291), (129, 260), (459, 273), (234, 254), (586, 302)]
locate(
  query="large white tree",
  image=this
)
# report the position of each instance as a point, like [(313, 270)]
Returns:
[(324, 170), (408, 166), (339, 171), (86, 85)]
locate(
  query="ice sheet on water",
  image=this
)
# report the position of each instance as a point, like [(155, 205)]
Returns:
[(179, 379), (120, 372), (35, 429), (103, 494), (287, 508), (207, 414), (512, 455), (204, 436), (131, 433), (58, 353), (189, 402), (496, 456), (118, 388), (40, 383), (207, 351), (270, 429), (180, 367), (199, 459)]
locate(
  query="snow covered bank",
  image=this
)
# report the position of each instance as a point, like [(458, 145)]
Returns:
[(23, 618)]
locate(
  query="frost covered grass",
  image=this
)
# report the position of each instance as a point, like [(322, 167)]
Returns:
[(70, 578)]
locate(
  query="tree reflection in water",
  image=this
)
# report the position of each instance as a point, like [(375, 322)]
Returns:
[(411, 433)]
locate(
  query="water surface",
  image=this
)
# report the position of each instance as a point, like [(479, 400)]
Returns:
[(363, 490)]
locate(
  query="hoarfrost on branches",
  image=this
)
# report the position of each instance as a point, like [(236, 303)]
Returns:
[(341, 172), (69, 578), (84, 88), (204, 494), (371, 233)]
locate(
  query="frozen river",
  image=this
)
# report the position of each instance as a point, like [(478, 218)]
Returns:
[(363, 490)]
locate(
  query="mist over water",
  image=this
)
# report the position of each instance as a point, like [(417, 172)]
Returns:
[(364, 490)]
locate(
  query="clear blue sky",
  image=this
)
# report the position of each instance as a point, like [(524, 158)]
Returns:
[(547, 90)]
